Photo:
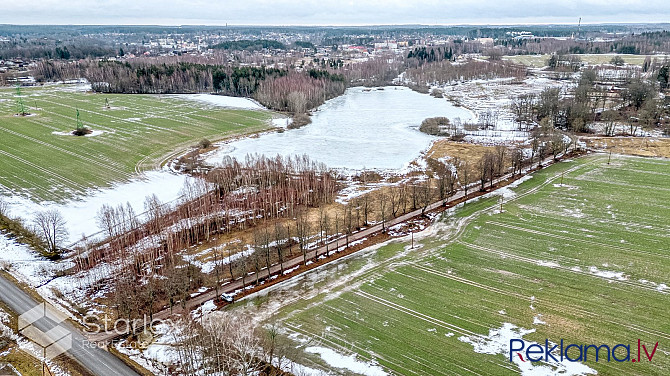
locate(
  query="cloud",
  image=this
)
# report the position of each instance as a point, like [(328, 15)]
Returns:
[(324, 12)]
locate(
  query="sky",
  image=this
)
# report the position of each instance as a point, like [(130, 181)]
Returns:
[(326, 12)]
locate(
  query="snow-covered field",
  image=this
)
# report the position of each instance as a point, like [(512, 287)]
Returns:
[(375, 129), (80, 214), (221, 101)]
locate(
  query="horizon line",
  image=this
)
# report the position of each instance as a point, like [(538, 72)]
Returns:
[(349, 25)]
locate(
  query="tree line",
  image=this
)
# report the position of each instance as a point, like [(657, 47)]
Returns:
[(246, 44), (634, 102), (444, 71)]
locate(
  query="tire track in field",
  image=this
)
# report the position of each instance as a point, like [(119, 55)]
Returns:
[(567, 238), (92, 152), (68, 152), (120, 145), (47, 172), (157, 115), (416, 314), (343, 315), (149, 126), (560, 308), (129, 134), (27, 187), (660, 229), (423, 317), (462, 226), (473, 322)]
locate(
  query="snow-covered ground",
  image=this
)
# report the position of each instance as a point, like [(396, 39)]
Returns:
[(375, 129), (80, 214), (495, 96), (221, 101), (348, 362), (31, 268)]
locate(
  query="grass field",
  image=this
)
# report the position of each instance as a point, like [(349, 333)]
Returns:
[(586, 261), (541, 60), (138, 132)]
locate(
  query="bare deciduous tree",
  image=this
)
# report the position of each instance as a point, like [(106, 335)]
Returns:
[(50, 226)]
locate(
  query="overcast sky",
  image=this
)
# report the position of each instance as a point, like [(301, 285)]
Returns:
[(325, 12)]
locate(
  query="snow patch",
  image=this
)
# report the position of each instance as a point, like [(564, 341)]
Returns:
[(497, 342), (350, 362), (221, 101), (619, 276)]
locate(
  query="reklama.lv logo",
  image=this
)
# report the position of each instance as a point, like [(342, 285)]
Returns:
[(577, 353)]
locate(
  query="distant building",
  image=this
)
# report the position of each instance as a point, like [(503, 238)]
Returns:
[(386, 46), (485, 41)]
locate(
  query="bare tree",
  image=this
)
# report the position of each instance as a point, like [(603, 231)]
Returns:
[(50, 226), (464, 176), (297, 102), (394, 200), (302, 227), (383, 208), (610, 117), (280, 241), (4, 208)]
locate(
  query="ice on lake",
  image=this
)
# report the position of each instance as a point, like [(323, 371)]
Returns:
[(360, 129)]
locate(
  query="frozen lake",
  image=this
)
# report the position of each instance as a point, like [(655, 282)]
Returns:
[(361, 129)]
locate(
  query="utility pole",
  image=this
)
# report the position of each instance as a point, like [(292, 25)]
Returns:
[(79, 123), (20, 106), (609, 158)]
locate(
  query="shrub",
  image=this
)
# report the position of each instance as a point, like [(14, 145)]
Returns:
[(299, 121), (617, 60), (204, 144), (82, 131), (458, 137), (437, 93), (434, 126)]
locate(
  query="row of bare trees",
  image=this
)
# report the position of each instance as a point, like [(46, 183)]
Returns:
[(297, 92), (235, 195)]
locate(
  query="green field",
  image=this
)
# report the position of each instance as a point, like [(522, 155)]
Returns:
[(586, 262), (541, 60), (139, 132)]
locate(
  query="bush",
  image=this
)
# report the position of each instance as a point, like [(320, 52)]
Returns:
[(617, 60), (82, 131), (458, 137), (434, 126), (299, 121), (204, 144)]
